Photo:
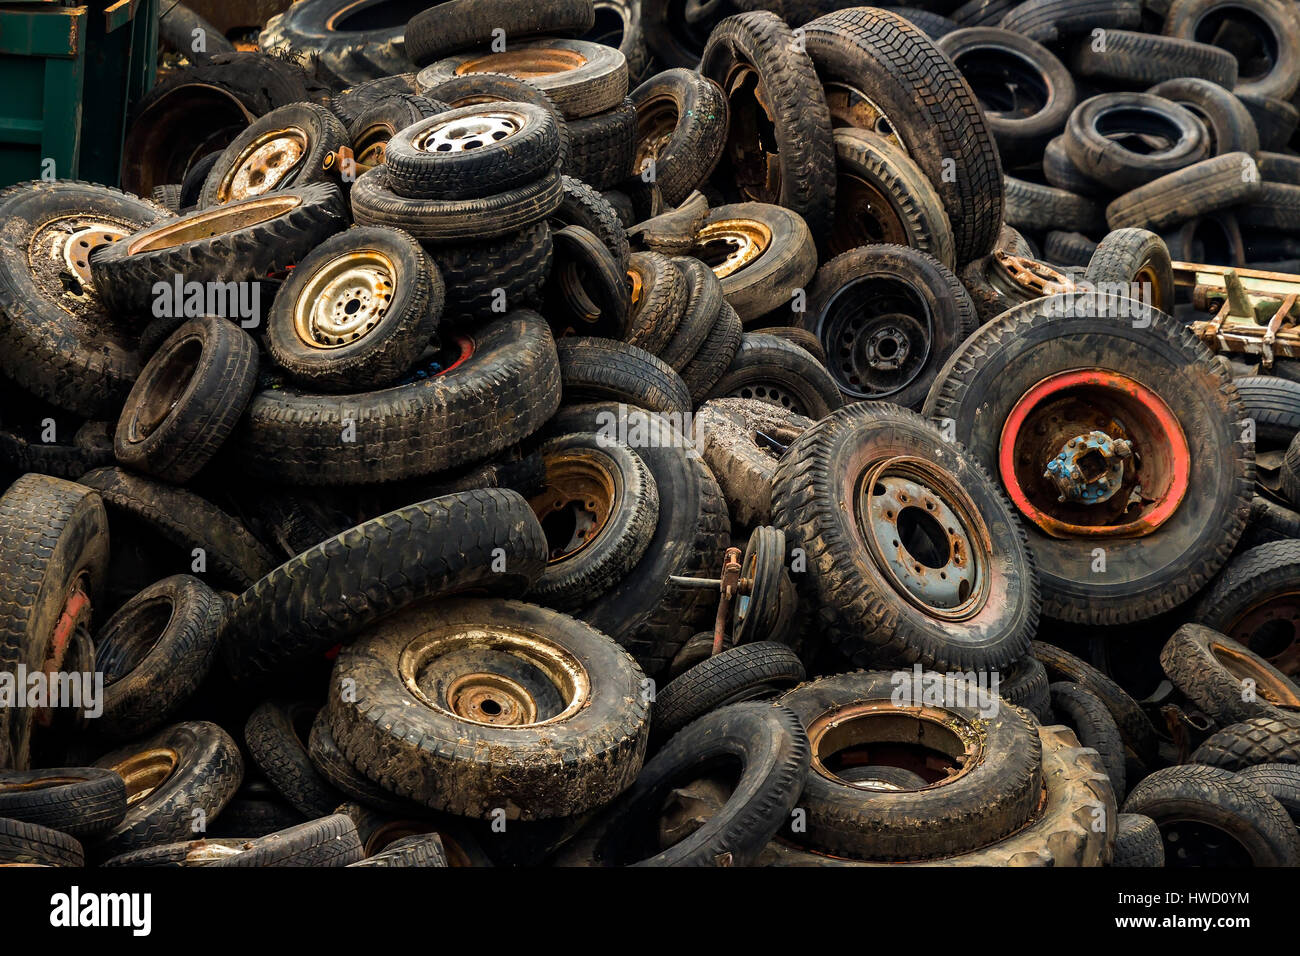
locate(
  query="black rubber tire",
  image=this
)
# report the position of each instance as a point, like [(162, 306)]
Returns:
[(602, 148), (429, 422), (769, 281), (234, 253), (1231, 127), (1047, 21), (343, 777), (1253, 820), (384, 351), (996, 794), (584, 206), (68, 351), (934, 25), (374, 203), (597, 85), (1134, 259), (930, 107), (311, 32), (1276, 206), (774, 370), (577, 759), (176, 26), (231, 552), (686, 153), (1134, 726), (419, 850), (1025, 684), (1275, 120), (329, 841), (483, 88), (854, 606), (595, 370), (704, 305), (719, 349), (203, 377), (1085, 713), (1194, 660), (1200, 189), (618, 24), (989, 371), (1251, 580), (913, 215), (1248, 743), (918, 282), (1031, 206), (1140, 59), (1107, 160), (32, 844), (79, 801), (444, 546), (450, 26), (276, 742), (1280, 781), (1059, 171), (1269, 521), (1137, 842), (372, 130), (516, 264), (52, 532), (206, 772), (154, 652), (517, 157), (1281, 38), (1019, 133), (771, 749), (1290, 472), (1068, 249), (1215, 239), (761, 44), (647, 613), (745, 672), (574, 578), (349, 104), (588, 292), (660, 297), (324, 134)]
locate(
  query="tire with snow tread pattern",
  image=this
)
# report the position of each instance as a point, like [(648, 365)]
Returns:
[(994, 796), (431, 423), (188, 521), (930, 107), (757, 671), (329, 841), (602, 148), (433, 548), (517, 263), (851, 601), (239, 253), (1250, 580), (1025, 685), (804, 153), (52, 532), (68, 350), (582, 755), (450, 26), (601, 370), (1250, 742), (647, 613), (1005, 358), (659, 294), (1142, 59), (1280, 781), (584, 206), (273, 736), (1196, 660), (765, 739), (206, 770), (1256, 823), (79, 801), (1137, 842), (154, 652), (33, 844), (690, 150), (1085, 713)]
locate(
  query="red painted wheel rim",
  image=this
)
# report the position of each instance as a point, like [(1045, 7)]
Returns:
[(1123, 408)]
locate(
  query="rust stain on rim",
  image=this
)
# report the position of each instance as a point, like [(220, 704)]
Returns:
[(214, 222), (525, 64)]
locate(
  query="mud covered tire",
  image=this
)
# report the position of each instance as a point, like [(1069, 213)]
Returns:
[(1254, 741), (582, 757), (855, 607)]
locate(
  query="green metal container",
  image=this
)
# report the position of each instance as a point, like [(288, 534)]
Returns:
[(72, 74)]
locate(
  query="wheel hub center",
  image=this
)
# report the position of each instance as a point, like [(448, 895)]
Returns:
[(1089, 468), (471, 132)]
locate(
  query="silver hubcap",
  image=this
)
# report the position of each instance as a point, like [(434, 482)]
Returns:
[(471, 132)]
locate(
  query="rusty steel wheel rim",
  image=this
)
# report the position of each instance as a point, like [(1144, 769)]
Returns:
[(924, 534), (936, 743), (466, 133), (1244, 667), (371, 145), (1271, 628), (263, 165), (729, 245), (864, 216), (851, 107), (751, 138), (582, 490), (495, 676), (145, 772), (345, 299), (73, 617), (69, 241), (1094, 453), (1161, 295), (164, 386), (1020, 276), (525, 64), (656, 122), (877, 332), (214, 222)]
